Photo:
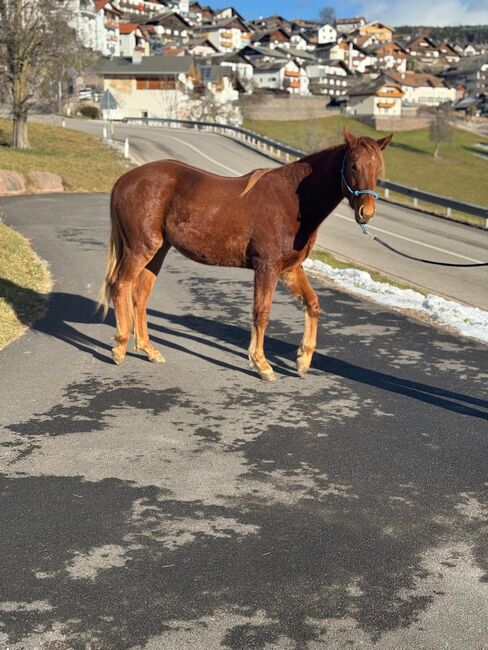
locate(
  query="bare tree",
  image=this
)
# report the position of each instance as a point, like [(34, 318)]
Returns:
[(327, 15), (34, 38), (440, 129)]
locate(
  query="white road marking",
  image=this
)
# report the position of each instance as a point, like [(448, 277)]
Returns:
[(204, 155), (413, 241)]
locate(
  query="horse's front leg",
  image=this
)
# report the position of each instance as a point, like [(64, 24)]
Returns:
[(299, 285), (265, 281)]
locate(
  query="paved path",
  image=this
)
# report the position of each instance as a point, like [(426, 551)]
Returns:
[(416, 233), (192, 506)]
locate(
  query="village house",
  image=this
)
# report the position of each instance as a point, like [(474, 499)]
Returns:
[(227, 35), (422, 88), (347, 25), (281, 75), (326, 34), (331, 78), (471, 72), (423, 49), (88, 23), (390, 55), (170, 28), (133, 39), (381, 32), (271, 38), (111, 33), (151, 86), (376, 98)]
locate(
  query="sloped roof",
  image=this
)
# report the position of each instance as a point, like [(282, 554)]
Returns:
[(149, 65), (372, 87), (415, 79), (128, 28)]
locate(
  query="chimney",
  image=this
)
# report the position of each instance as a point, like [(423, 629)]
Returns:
[(136, 56)]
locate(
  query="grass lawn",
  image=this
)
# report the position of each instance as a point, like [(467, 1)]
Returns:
[(24, 282), (84, 163), (458, 173)]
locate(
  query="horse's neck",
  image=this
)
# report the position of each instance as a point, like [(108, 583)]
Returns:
[(318, 184)]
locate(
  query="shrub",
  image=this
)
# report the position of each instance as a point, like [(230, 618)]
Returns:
[(91, 112)]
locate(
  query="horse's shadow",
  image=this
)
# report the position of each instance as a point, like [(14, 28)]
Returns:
[(64, 309)]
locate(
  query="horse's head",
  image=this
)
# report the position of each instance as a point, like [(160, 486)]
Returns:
[(361, 167)]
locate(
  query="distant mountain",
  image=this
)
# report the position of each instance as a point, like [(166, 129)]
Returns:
[(461, 34)]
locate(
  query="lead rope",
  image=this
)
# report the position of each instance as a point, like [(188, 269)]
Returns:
[(412, 257)]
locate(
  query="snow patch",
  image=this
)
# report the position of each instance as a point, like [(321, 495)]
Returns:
[(468, 321)]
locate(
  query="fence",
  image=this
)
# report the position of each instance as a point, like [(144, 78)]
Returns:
[(283, 153)]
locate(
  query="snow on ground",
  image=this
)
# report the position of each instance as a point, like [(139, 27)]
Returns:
[(468, 321)]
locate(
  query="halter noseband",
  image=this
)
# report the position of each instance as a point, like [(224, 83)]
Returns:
[(355, 193)]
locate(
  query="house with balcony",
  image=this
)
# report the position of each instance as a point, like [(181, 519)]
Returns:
[(330, 78), (151, 86), (227, 35), (87, 21), (376, 98), (271, 38), (111, 19), (390, 56), (422, 88), (287, 76)]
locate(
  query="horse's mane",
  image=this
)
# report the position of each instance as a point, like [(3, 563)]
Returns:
[(368, 143), (253, 179)]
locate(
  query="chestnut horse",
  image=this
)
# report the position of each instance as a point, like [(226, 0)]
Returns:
[(266, 221)]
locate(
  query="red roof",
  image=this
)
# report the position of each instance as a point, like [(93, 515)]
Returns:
[(128, 28)]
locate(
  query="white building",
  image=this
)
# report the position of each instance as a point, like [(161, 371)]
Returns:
[(328, 78), (96, 23), (423, 88), (152, 86), (326, 34), (377, 98), (281, 75)]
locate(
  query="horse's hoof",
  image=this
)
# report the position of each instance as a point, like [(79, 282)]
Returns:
[(117, 357), (302, 370), (267, 375), (157, 358)]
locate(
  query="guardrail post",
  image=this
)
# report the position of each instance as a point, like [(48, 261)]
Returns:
[(126, 148), (387, 193), (415, 202)]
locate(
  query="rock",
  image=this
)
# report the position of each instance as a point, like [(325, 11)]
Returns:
[(44, 182), (11, 182)]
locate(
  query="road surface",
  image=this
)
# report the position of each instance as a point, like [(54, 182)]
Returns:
[(418, 234), (190, 505)]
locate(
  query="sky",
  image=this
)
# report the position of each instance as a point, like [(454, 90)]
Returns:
[(392, 12)]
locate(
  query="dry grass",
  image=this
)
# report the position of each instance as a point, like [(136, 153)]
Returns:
[(84, 163), (24, 283)]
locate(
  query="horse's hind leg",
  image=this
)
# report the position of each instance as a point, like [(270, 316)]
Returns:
[(299, 285), (140, 295), (121, 291)]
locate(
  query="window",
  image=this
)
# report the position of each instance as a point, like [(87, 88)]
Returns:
[(164, 82)]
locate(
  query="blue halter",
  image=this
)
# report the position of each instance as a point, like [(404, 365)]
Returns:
[(355, 193)]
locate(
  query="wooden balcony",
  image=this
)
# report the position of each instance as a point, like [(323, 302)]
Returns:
[(292, 73)]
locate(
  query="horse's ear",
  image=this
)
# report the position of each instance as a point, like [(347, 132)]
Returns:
[(384, 142), (350, 139)]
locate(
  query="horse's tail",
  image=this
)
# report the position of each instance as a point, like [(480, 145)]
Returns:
[(114, 258), (254, 178)]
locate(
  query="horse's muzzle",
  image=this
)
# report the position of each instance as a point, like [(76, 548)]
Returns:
[(362, 216)]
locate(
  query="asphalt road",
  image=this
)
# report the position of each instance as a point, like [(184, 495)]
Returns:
[(190, 505), (418, 234)]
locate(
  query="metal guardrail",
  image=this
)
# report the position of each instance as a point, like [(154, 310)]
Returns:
[(283, 153)]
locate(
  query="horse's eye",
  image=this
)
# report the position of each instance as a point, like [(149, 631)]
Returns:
[(354, 167)]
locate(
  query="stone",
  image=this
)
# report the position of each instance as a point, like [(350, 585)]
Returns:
[(11, 182), (44, 182)]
